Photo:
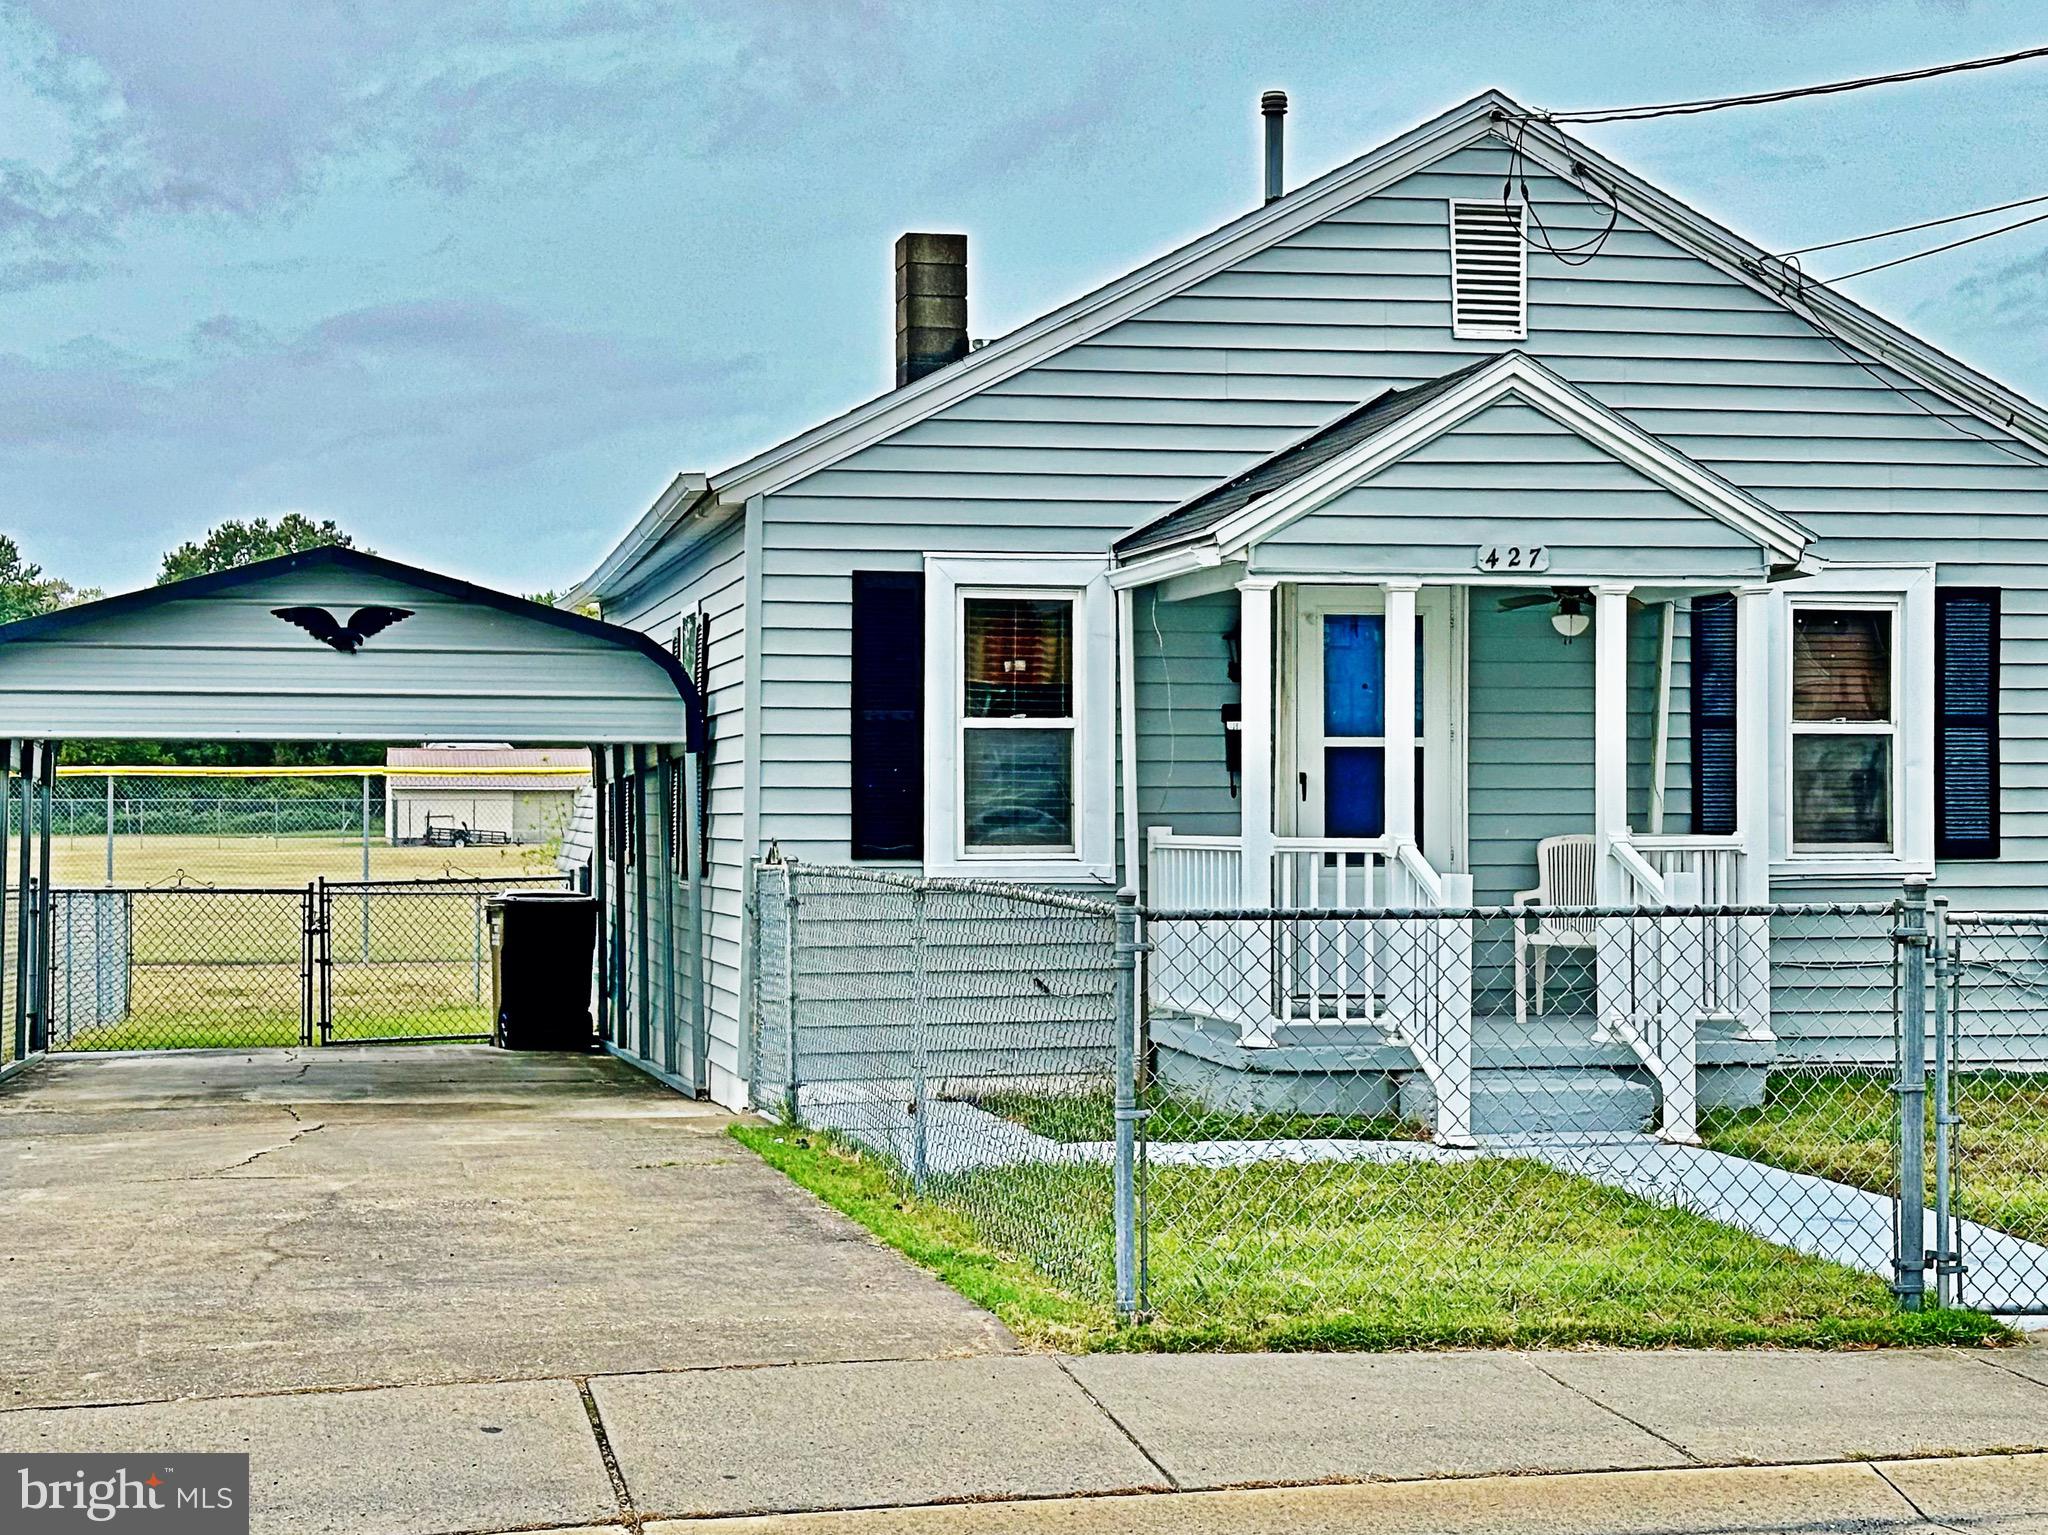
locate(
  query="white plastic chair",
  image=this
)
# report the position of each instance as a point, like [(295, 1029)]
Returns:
[(1565, 876)]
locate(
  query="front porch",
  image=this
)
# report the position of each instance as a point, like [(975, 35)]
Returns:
[(1497, 655)]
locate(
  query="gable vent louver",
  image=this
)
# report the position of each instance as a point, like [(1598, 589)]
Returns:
[(1489, 272)]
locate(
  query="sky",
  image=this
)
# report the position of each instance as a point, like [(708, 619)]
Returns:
[(476, 278)]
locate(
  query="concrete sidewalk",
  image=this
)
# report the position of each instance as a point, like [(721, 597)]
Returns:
[(1014, 1439)]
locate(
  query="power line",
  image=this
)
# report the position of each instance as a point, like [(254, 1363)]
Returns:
[(1904, 229), (1761, 98), (1793, 293), (1935, 250)]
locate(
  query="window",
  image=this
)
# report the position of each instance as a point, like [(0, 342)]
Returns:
[(1017, 719), (1844, 728), (1489, 287), (1851, 691), (1019, 688)]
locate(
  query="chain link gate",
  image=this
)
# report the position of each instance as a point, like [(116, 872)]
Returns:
[(193, 967), (1988, 1112)]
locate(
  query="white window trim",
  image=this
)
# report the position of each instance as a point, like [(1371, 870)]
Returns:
[(947, 580), (1907, 590)]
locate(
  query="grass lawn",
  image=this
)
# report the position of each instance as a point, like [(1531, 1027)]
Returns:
[(1841, 1127), (278, 861), (1354, 1256)]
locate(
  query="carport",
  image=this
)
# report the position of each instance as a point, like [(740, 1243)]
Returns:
[(337, 645)]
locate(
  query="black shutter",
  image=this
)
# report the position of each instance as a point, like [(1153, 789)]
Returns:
[(1966, 722), (700, 673), (1713, 716), (888, 714)]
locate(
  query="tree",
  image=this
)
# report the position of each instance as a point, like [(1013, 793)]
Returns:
[(242, 543), (230, 544), (25, 591)]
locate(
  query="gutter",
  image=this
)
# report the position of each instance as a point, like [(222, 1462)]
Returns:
[(685, 494)]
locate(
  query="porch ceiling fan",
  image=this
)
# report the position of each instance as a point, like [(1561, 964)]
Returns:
[(1574, 606)]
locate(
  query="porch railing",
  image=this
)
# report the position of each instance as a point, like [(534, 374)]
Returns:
[(1184, 873), (1733, 980), (1310, 874)]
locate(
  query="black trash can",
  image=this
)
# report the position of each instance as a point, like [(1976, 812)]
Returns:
[(543, 944)]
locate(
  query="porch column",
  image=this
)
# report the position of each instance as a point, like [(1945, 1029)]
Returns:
[(1610, 732), (1399, 693), (1752, 935), (1255, 693), (1753, 741)]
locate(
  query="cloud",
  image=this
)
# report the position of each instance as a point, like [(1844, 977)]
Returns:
[(2012, 293), (415, 415), (1073, 128), (243, 109)]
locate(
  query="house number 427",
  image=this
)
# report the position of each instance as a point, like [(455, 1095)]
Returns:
[(1508, 558)]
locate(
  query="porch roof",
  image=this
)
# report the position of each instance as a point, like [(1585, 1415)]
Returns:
[(1291, 462), (1229, 517)]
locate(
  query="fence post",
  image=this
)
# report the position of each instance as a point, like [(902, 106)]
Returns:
[(24, 916), (1947, 972), (920, 1018), (791, 1080), (306, 965), (110, 828), (1128, 944), (1910, 1261)]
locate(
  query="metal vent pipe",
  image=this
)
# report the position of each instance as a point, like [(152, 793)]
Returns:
[(1273, 107)]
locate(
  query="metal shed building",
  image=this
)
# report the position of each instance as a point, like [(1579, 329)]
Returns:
[(521, 794)]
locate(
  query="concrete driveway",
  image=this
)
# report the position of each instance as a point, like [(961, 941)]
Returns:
[(448, 1292), (231, 1223)]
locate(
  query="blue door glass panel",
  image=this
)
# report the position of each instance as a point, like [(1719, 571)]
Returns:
[(1355, 704), (1354, 674), (1354, 791)]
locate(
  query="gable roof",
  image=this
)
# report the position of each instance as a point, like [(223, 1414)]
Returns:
[(1228, 518), (1489, 114), (357, 561)]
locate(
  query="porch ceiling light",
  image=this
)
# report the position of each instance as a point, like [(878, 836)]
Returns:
[(1571, 618)]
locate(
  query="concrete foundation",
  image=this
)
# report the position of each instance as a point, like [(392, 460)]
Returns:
[(1545, 1075)]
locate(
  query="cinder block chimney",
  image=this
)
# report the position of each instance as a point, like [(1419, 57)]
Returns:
[(931, 304)]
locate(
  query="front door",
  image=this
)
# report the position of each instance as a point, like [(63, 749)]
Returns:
[(1340, 746)]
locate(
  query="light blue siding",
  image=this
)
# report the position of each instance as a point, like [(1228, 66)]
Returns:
[(1110, 433), (709, 577), (1511, 474), (1182, 656), (1115, 430)]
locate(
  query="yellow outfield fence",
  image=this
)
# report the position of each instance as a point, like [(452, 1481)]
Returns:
[(83, 770)]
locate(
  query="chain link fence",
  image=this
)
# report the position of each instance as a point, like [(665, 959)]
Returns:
[(919, 1019), (1989, 1111), (13, 1042), (1405, 1118), (1401, 1116), (189, 967), (251, 830)]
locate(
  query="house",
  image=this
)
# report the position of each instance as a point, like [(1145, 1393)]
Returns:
[(470, 791), (1347, 553)]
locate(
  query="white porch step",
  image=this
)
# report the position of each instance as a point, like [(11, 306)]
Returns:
[(1544, 1101)]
